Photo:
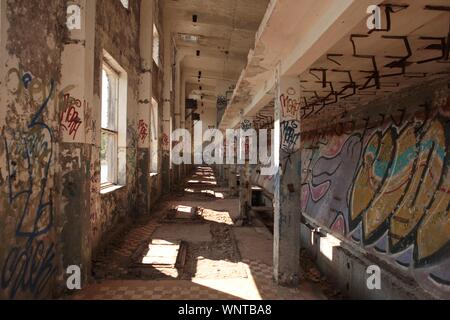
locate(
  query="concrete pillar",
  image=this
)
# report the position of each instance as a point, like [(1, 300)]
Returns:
[(177, 112), (286, 200), (46, 143), (232, 174), (183, 114), (232, 180), (167, 108), (221, 177), (145, 104), (245, 186), (79, 178), (226, 173)]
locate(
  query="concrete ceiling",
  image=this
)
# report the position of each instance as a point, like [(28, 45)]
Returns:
[(225, 32), (363, 67), (340, 64)]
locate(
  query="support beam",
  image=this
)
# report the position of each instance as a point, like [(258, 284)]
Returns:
[(245, 186), (232, 180), (177, 112), (145, 105), (287, 181), (77, 84), (167, 111)]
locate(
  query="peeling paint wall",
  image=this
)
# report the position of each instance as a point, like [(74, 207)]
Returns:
[(52, 211), (380, 180), (30, 263), (150, 184), (117, 33)]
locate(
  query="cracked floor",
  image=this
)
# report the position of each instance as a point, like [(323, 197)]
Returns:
[(222, 260)]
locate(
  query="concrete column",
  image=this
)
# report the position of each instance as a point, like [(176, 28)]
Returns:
[(245, 186), (287, 181), (220, 178), (226, 173), (46, 143), (177, 113), (245, 192), (167, 115), (145, 103), (232, 176), (79, 150), (183, 114), (232, 180)]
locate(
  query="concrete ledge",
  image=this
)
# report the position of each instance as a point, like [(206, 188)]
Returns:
[(346, 268)]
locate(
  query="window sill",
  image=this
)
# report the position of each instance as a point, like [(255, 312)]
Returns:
[(110, 189)]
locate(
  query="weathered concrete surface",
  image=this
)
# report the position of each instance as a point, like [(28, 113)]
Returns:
[(117, 33), (379, 180), (287, 183), (52, 211), (29, 193), (347, 270)]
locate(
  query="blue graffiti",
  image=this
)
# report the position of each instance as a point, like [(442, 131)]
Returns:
[(26, 79), (29, 267), (404, 159)]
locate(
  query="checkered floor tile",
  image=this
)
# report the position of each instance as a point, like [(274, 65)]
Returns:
[(258, 285), (116, 280)]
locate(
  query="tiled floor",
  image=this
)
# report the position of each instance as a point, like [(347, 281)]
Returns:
[(258, 285), (217, 273)]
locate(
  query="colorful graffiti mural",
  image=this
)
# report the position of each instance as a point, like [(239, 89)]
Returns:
[(386, 188)]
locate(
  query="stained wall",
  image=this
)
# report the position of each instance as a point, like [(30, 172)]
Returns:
[(53, 212), (379, 180)]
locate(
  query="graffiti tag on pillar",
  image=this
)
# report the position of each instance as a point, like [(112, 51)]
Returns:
[(246, 125), (73, 17), (290, 106), (165, 141), (143, 130), (290, 136), (26, 80), (29, 264), (70, 118)]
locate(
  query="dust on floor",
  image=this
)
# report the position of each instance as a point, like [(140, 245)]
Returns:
[(223, 261)]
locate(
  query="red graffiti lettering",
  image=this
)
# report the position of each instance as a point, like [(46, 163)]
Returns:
[(70, 117), (143, 130)]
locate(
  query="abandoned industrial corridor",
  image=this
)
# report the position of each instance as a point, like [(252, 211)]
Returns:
[(224, 149), (199, 249)]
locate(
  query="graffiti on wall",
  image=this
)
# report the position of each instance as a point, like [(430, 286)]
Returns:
[(71, 115), (386, 188), (165, 141), (143, 130), (29, 263)]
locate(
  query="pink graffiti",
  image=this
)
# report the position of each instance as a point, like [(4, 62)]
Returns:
[(319, 192)]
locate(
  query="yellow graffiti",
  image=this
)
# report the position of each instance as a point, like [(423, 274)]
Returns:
[(386, 201), (423, 185)]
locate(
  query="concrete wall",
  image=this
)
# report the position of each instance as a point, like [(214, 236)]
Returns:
[(32, 36), (379, 181), (52, 211), (117, 33)]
